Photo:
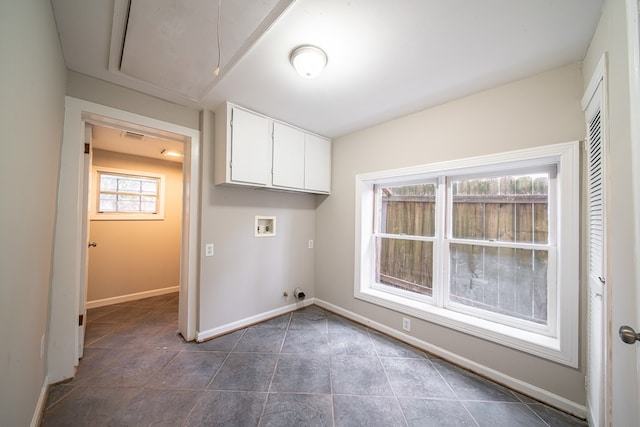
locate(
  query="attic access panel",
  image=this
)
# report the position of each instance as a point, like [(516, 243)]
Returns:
[(172, 44)]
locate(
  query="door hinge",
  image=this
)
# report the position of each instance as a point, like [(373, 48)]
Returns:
[(87, 148), (81, 320)]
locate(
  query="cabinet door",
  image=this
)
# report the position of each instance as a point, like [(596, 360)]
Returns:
[(288, 156), (249, 147), (317, 164)]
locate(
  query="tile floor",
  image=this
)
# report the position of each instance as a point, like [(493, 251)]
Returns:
[(307, 368)]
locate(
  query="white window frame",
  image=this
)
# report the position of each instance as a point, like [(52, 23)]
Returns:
[(558, 342), (125, 216)]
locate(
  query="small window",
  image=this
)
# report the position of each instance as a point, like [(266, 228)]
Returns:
[(127, 195)]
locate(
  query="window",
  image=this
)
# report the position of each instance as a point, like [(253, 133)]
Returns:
[(127, 195), (488, 246)]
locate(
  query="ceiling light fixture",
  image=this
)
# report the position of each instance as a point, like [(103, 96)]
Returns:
[(169, 153), (308, 60)]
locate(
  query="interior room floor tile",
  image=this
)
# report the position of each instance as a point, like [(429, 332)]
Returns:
[(306, 368)]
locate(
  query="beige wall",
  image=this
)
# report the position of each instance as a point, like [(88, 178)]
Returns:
[(540, 110), (611, 37), (32, 84), (137, 256)]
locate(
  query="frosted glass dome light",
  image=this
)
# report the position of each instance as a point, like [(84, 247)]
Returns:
[(308, 60)]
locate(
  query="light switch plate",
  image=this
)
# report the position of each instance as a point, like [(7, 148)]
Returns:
[(208, 249)]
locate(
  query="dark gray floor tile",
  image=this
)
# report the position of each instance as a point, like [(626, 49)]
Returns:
[(468, 386), (280, 322), (355, 411), (501, 414), (415, 378), (310, 367), (94, 314), (57, 392), (134, 368), (88, 406), (556, 418), (351, 342), (222, 343), (360, 375), (127, 314), (262, 340), (302, 374), (389, 347), (160, 316), (338, 322), (245, 372), (435, 413), (130, 335), (97, 330), (96, 360), (189, 370), (168, 338), (306, 342), (227, 409), (300, 410), (153, 407), (310, 318)]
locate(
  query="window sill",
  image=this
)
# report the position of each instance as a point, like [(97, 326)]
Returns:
[(536, 344)]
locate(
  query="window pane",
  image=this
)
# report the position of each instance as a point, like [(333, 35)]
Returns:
[(107, 203), (149, 187), (407, 209), (129, 185), (108, 183), (148, 207), (501, 280), (503, 209), (405, 264)]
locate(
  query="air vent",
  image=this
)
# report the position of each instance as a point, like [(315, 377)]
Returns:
[(132, 135)]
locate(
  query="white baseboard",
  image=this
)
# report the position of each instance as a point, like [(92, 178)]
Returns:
[(131, 297), (248, 321), (499, 377), (42, 401)]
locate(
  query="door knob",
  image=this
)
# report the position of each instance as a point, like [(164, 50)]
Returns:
[(92, 244), (628, 335)]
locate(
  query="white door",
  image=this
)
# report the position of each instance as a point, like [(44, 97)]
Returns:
[(84, 262), (596, 261)]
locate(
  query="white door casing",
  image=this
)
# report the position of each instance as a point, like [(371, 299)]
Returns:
[(70, 243)]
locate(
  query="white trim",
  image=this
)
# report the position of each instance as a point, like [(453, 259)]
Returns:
[(69, 245), (131, 297), (252, 320), (562, 345), (497, 376), (36, 419)]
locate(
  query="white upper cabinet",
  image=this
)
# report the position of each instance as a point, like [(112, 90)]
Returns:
[(288, 156), (317, 164), (255, 150), (243, 147)]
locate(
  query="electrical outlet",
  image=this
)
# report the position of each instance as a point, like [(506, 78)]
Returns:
[(406, 324), (310, 244), (208, 249)]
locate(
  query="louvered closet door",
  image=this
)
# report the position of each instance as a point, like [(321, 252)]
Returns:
[(595, 145)]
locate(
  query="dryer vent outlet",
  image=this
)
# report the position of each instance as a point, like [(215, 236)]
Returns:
[(299, 293)]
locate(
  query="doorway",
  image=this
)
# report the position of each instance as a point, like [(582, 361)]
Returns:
[(70, 245), (135, 214)]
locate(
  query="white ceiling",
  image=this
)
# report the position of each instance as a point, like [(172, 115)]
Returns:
[(387, 58)]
